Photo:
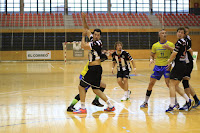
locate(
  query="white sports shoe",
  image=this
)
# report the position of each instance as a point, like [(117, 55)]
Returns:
[(129, 93), (124, 98)]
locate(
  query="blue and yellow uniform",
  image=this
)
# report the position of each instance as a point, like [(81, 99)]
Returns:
[(83, 74), (162, 56)]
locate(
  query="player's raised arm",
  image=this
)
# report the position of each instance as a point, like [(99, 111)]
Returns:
[(84, 44), (85, 26)]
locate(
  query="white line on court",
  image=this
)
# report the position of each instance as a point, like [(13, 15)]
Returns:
[(52, 66), (120, 104), (61, 68)]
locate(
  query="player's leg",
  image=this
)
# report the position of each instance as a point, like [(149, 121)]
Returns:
[(172, 90), (148, 92), (75, 101), (190, 90), (189, 102), (120, 82), (96, 100), (82, 95), (187, 87), (104, 98), (196, 99), (126, 91), (167, 83)]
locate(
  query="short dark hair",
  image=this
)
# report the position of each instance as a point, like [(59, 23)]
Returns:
[(181, 28), (118, 42), (97, 30)]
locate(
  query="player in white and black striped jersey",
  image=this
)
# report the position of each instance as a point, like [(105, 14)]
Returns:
[(122, 59), (93, 75)]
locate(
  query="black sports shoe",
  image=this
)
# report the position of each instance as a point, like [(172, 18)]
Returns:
[(97, 103), (71, 109)]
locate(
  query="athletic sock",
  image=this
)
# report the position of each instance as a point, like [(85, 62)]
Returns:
[(109, 104), (148, 94), (196, 98), (186, 97), (74, 102), (83, 105), (172, 101)]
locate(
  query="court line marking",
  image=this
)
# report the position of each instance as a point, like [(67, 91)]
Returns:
[(121, 105), (52, 65), (61, 68), (26, 91)]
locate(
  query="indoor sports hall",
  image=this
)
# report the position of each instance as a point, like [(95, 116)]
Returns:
[(41, 59)]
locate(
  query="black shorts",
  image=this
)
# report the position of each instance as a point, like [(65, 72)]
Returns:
[(123, 74), (178, 71), (92, 77), (188, 71)]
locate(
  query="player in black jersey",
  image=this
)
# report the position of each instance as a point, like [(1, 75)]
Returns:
[(122, 59), (93, 75), (178, 71), (189, 66)]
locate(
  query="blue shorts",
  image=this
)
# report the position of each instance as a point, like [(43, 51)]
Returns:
[(86, 88), (159, 71)]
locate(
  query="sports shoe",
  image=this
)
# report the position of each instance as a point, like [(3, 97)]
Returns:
[(184, 107), (129, 93), (80, 111), (144, 105), (190, 104), (97, 103), (110, 109), (196, 104), (71, 109), (170, 109), (124, 98), (177, 106)]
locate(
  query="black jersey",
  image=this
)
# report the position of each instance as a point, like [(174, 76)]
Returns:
[(96, 47), (122, 60), (180, 48), (189, 57)]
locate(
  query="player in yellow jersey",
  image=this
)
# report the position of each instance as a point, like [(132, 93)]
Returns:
[(77, 97), (162, 56)]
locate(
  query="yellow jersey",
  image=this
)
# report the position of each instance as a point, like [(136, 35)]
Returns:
[(85, 69), (162, 54)]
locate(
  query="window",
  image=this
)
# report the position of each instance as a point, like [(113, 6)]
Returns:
[(30, 6), (90, 6), (13, 6), (170, 6), (129, 6), (57, 6), (2, 6), (44, 6)]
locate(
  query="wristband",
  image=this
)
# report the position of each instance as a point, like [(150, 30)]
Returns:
[(134, 69)]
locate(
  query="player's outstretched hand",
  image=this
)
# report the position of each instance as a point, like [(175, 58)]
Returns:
[(83, 15)]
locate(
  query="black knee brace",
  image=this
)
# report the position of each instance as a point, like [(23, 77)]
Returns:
[(77, 97), (148, 93), (102, 89), (185, 84)]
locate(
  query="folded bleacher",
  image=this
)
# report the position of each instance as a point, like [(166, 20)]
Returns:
[(110, 19), (179, 19), (25, 20)]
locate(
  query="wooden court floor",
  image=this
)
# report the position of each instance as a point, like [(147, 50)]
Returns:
[(34, 97)]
